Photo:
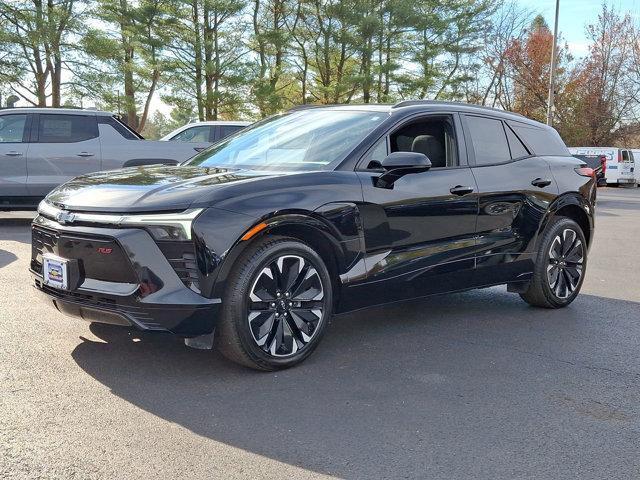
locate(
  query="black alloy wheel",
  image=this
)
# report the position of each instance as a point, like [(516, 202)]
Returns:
[(276, 306), (566, 259), (285, 305), (560, 265)]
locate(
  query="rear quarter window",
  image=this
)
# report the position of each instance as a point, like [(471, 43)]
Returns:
[(119, 127), (543, 141)]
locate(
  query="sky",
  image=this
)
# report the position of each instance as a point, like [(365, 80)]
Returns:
[(575, 15)]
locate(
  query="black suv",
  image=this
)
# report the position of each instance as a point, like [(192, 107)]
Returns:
[(254, 243)]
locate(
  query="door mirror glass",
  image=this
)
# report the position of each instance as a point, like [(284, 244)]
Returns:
[(398, 164)]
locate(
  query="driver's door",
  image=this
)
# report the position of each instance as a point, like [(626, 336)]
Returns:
[(420, 234)]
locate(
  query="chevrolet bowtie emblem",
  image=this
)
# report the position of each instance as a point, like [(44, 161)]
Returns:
[(65, 217)]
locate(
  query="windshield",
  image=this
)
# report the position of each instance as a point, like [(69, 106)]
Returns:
[(303, 140)]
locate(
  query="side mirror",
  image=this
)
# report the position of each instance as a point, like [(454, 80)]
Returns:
[(398, 164)]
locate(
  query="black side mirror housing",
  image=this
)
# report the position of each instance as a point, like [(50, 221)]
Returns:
[(398, 164)]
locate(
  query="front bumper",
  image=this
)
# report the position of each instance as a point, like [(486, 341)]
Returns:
[(154, 298)]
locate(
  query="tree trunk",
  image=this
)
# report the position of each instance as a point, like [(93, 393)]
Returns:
[(197, 47), (208, 57)]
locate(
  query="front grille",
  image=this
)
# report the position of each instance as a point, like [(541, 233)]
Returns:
[(42, 241), (182, 257), (100, 258)]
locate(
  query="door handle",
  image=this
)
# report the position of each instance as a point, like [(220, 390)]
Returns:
[(541, 182), (85, 154), (461, 190), (13, 153)]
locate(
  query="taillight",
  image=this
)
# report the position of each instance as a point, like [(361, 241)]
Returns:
[(619, 156), (586, 172)]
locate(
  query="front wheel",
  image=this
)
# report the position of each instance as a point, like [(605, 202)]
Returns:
[(276, 306), (560, 265)]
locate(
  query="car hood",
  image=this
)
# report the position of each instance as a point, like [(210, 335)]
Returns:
[(145, 189)]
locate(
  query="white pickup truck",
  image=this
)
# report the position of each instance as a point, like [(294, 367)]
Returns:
[(41, 148)]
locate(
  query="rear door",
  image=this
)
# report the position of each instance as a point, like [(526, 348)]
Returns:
[(63, 146), (515, 188), (625, 167), (14, 146)]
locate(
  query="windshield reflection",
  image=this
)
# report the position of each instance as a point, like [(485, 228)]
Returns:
[(303, 140)]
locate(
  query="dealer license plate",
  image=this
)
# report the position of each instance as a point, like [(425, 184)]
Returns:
[(55, 271)]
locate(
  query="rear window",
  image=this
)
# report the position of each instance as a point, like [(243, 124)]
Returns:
[(54, 128), (543, 141), (193, 134), (226, 130), (489, 140)]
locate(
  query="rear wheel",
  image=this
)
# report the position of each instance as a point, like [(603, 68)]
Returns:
[(560, 265), (276, 306)]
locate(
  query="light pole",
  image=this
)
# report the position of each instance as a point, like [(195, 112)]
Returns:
[(552, 76)]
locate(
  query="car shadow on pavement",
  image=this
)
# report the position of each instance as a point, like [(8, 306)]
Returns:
[(16, 229), (6, 258), (428, 386)]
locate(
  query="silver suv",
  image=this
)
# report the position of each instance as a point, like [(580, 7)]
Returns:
[(40, 148)]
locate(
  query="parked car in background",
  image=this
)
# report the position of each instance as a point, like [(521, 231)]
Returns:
[(265, 235), (40, 148), (619, 168), (598, 162), (205, 131)]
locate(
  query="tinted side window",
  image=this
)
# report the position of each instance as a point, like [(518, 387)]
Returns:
[(226, 130), (12, 128), (543, 141), (625, 156), (518, 150), (432, 136), (193, 134), (489, 140), (66, 128)]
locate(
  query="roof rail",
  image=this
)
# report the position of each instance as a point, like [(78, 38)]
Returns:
[(409, 103), (307, 106)]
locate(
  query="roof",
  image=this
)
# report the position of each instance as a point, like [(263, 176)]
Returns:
[(464, 107), (425, 105), (220, 122), (369, 107), (78, 111)]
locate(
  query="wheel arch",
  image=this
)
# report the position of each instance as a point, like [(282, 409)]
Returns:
[(575, 207), (308, 227)]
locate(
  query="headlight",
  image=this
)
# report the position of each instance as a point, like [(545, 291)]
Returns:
[(162, 226)]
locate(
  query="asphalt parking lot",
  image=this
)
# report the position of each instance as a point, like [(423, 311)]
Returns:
[(471, 385)]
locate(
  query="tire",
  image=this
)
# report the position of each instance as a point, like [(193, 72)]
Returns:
[(264, 324), (560, 265)]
